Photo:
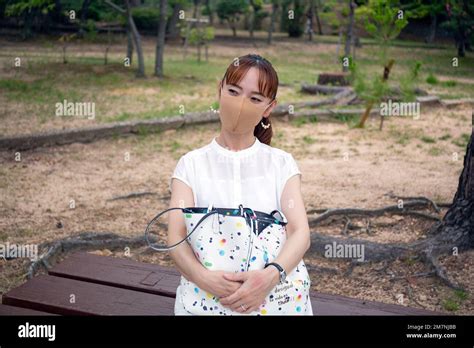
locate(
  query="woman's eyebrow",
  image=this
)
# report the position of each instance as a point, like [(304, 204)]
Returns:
[(253, 92)]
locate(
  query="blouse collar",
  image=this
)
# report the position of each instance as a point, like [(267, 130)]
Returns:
[(247, 151)]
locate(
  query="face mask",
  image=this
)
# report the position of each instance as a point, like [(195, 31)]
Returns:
[(238, 114)]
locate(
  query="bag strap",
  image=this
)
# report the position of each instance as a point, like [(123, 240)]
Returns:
[(211, 211), (156, 247), (284, 220)]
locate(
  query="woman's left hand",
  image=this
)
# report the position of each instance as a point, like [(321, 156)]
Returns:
[(251, 294)]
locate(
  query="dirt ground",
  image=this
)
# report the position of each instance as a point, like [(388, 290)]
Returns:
[(341, 167)]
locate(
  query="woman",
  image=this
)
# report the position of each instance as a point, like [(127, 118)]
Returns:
[(240, 167)]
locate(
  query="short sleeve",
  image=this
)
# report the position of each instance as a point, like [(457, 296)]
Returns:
[(182, 172), (289, 169)]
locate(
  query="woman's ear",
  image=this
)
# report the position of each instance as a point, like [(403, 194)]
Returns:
[(270, 108), (218, 90)]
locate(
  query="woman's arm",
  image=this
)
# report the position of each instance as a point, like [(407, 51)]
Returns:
[(183, 255), (299, 241), (257, 284)]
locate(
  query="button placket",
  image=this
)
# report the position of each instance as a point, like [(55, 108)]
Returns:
[(237, 182)]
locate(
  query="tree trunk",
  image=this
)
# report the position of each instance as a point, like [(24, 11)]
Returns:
[(160, 45), (386, 73), (57, 15), (310, 15), (272, 22), (84, 9), (457, 228), (461, 48), (107, 48), (173, 22), (28, 23), (284, 15), (350, 29), (129, 45), (136, 41), (196, 12), (252, 19), (432, 34), (318, 21), (233, 27), (211, 14)]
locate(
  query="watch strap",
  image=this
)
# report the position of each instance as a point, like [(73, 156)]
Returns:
[(281, 271)]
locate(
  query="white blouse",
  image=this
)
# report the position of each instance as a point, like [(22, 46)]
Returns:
[(254, 177)]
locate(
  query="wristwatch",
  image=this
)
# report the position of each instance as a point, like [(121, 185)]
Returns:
[(280, 269)]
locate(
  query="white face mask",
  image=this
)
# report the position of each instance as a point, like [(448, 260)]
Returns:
[(238, 114)]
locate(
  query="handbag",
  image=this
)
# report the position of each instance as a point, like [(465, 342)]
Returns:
[(239, 240)]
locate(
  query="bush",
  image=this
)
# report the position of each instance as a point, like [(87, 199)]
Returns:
[(431, 79)]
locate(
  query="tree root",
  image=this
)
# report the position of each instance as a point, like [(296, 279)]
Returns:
[(392, 209), (441, 273), (377, 252), (86, 240)]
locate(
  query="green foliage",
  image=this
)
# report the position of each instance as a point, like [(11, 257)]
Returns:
[(20, 7), (200, 35), (427, 139), (450, 83), (335, 14), (370, 90), (231, 9), (260, 15), (90, 31), (460, 19), (431, 79), (384, 21), (295, 25), (146, 18), (453, 302), (408, 82)]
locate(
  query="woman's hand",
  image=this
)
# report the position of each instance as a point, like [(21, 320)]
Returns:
[(215, 283), (257, 285)]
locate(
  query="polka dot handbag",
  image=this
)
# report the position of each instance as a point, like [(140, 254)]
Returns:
[(239, 240)]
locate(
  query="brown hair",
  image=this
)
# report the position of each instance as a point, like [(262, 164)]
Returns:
[(267, 85)]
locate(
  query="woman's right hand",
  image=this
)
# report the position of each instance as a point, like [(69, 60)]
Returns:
[(215, 283)]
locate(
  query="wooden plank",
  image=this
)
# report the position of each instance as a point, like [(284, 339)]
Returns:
[(146, 277), (11, 310), (327, 304), (119, 272), (52, 294)]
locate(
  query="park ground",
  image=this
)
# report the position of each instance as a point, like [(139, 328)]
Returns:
[(342, 166)]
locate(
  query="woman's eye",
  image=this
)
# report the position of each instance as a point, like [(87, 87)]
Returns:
[(257, 100), (232, 91)]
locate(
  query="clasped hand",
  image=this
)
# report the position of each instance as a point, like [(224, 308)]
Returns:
[(243, 292)]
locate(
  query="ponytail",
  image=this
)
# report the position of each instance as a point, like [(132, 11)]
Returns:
[(264, 135)]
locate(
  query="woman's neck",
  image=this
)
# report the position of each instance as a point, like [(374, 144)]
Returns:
[(235, 142)]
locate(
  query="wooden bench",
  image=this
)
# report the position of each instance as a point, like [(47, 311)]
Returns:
[(88, 284)]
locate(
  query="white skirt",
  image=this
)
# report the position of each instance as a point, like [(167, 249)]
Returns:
[(178, 304), (180, 310)]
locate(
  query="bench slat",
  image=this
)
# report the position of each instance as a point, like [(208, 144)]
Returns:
[(119, 272), (139, 276), (52, 294), (327, 304), (11, 310)]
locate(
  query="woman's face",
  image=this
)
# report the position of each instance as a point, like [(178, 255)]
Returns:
[(242, 106)]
